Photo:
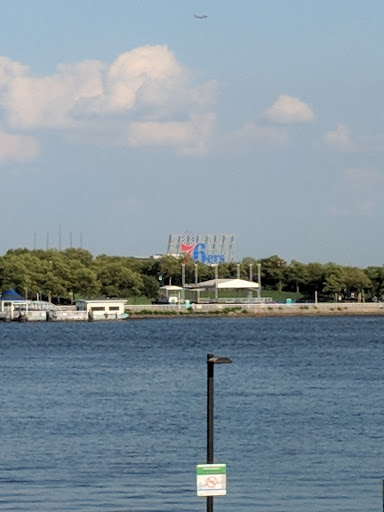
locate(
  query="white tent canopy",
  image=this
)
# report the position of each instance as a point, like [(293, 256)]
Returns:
[(228, 284), (171, 288), (172, 292)]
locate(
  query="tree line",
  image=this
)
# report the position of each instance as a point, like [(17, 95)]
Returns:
[(62, 276)]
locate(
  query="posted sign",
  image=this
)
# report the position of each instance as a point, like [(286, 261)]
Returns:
[(211, 479)]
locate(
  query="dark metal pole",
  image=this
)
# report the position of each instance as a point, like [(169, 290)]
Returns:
[(210, 366), (383, 495), (211, 361)]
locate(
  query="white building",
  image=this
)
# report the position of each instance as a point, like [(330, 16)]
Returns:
[(103, 309)]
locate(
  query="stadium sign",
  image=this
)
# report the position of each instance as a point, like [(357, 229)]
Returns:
[(208, 249)]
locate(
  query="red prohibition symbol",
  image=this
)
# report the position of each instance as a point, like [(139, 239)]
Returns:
[(211, 481)]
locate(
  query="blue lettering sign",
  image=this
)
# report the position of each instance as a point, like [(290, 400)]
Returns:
[(199, 254)]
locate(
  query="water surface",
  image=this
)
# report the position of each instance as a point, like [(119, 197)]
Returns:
[(112, 416)]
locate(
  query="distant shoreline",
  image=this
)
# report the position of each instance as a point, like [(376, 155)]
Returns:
[(271, 310)]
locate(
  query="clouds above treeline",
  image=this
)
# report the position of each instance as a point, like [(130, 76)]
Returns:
[(287, 110), (17, 148), (145, 91), (342, 139), (144, 98)]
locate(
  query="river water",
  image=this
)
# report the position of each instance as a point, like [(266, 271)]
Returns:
[(112, 416)]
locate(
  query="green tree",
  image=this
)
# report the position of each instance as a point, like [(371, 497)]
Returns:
[(51, 285), (81, 255), (273, 272), (118, 281), (170, 270), (335, 280), (296, 275), (249, 266), (357, 281), (315, 282), (150, 287), (21, 270), (14, 273), (375, 275), (82, 281)]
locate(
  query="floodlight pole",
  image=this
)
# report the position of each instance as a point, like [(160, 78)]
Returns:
[(183, 281), (216, 283), (259, 280), (211, 361)]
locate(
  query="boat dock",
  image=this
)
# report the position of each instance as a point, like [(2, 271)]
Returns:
[(15, 308)]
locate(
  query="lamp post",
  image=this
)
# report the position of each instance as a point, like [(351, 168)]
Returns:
[(259, 280), (250, 293), (211, 361), (383, 494)]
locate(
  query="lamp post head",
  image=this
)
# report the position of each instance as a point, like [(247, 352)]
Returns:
[(217, 360)]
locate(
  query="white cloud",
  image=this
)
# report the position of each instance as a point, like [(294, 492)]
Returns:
[(343, 140), (289, 110), (49, 102), (10, 69), (142, 82), (145, 88), (17, 148), (150, 72), (191, 137), (339, 138)]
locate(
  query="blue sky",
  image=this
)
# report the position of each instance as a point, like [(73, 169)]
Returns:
[(122, 122)]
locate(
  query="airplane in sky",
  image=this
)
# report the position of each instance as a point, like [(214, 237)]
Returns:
[(201, 16)]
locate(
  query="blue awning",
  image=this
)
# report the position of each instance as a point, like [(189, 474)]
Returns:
[(11, 294)]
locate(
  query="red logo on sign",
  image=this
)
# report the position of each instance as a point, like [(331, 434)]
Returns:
[(211, 481), (187, 249)]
